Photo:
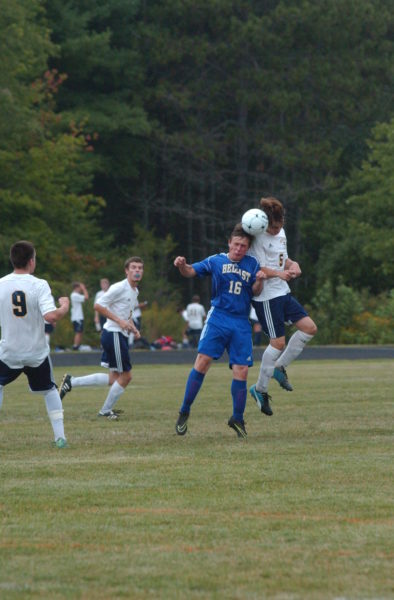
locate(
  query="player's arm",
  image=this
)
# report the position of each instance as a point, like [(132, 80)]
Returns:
[(293, 267), (185, 269), (53, 316), (127, 325), (258, 284), (270, 273)]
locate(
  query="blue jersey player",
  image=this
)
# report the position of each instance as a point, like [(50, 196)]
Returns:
[(236, 278)]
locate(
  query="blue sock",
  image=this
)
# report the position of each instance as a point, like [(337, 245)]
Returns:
[(193, 385), (239, 393)]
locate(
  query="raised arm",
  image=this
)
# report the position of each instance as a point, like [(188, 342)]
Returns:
[(184, 269)]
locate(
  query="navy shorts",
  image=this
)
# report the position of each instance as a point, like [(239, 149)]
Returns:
[(274, 314), (233, 335), (115, 355), (40, 378), (78, 326)]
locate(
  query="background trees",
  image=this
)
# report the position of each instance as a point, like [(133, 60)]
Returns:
[(178, 116)]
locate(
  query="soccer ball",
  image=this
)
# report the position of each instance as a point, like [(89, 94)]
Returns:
[(254, 221)]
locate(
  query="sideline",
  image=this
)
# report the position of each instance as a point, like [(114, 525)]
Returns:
[(181, 357)]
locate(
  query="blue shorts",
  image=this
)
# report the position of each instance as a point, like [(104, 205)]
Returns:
[(233, 335), (78, 326), (274, 314), (115, 355), (40, 378)]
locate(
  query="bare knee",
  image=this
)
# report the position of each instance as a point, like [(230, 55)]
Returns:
[(308, 326)]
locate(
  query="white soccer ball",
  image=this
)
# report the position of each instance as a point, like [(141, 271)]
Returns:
[(254, 221)]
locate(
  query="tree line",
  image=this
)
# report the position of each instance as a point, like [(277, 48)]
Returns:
[(150, 127)]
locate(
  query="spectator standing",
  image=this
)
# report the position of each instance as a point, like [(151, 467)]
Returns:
[(78, 297), (195, 316), (26, 303)]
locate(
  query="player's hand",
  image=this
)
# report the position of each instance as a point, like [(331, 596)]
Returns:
[(180, 261), (261, 275)]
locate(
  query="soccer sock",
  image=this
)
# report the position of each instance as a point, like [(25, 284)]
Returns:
[(115, 391), (267, 367), (1, 395), (55, 412), (193, 385), (239, 393), (294, 348), (95, 379)]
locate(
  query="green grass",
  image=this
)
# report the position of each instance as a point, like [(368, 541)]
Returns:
[(301, 510)]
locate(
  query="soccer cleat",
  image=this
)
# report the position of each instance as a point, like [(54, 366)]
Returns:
[(65, 385), (238, 426), (60, 443), (109, 414), (117, 411), (181, 424), (262, 400), (281, 377)]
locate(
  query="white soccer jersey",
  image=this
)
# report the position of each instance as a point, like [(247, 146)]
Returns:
[(24, 299), (271, 252), (195, 314), (121, 299), (77, 300)]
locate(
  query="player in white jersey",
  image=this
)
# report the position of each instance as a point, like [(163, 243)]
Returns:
[(26, 303), (275, 306), (117, 306)]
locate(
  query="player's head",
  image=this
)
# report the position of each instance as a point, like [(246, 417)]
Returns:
[(134, 269), (76, 285), (275, 212), (239, 243), (196, 298), (21, 253)]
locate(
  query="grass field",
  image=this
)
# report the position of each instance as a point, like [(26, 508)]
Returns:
[(303, 509)]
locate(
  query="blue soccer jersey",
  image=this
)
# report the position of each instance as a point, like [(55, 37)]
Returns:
[(231, 282)]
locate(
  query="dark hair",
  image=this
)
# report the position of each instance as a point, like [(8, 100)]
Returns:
[(135, 259), (238, 231), (20, 254), (274, 210), (196, 298)]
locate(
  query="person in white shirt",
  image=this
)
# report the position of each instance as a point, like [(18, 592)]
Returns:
[(275, 306), (99, 320), (195, 316), (26, 303), (117, 306), (78, 297)]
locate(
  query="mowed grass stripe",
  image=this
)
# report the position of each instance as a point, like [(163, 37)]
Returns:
[(301, 509)]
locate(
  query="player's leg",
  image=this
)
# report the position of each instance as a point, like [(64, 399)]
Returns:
[(306, 329), (41, 381), (7, 375), (240, 351), (69, 382), (270, 315), (212, 343), (116, 350)]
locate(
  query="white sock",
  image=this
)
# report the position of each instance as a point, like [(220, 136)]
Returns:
[(267, 367), (115, 391), (55, 412), (294, 348), (94, 379), (1, 395)]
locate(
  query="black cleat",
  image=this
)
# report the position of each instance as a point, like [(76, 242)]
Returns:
[(238, 426), (281, 377), (109, 414), (262, 400), (65, 385), (181, 424)]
